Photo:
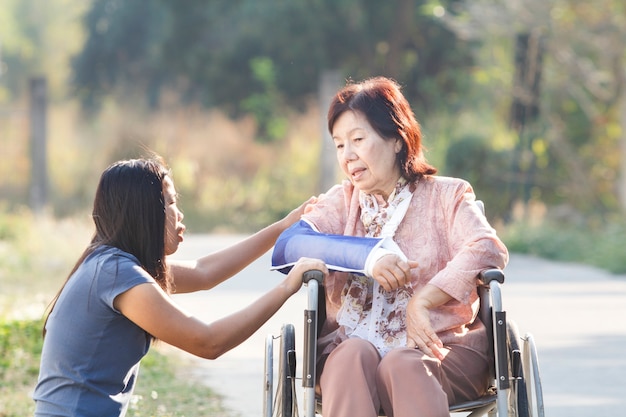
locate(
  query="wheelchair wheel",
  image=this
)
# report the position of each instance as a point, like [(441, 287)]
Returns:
[(518, 397), (285, 404), (533, 379)]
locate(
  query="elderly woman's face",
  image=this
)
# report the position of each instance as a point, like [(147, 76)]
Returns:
[(364, 156)]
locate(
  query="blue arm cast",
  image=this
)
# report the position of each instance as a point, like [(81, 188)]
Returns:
[(340, 253)]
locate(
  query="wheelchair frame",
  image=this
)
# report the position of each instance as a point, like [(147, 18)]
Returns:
[(516, 390)]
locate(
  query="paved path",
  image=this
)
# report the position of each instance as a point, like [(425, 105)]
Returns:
[(576, 314)]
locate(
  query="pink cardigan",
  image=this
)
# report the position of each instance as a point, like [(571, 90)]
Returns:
[(444, 231)]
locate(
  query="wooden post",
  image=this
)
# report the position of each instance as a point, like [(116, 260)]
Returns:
[(38, 149), (621, 181), (330, 82)]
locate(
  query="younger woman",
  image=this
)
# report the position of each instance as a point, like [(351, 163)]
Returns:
[(116, 300)]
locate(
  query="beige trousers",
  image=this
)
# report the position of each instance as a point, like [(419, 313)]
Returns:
[(355, 381)]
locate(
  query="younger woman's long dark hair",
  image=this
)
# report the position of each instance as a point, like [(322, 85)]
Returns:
[(129, 214)]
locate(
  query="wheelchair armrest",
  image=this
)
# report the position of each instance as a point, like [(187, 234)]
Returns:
[(313, 274), (489, 275)]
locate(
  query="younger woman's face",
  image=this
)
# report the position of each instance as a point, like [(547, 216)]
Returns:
[(174, 228)]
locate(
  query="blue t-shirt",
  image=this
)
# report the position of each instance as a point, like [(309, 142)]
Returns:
[(91, 352)]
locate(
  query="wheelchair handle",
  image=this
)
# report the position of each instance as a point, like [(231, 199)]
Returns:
[(489, 275), (315, 274)]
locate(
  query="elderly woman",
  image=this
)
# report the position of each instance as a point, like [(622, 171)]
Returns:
[(401, 332)]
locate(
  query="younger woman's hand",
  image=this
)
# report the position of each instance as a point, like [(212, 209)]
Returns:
[(296, 213), (294, 277)]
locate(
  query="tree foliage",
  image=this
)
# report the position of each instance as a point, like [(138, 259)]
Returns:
[(210, 52), (455, 58), (36, 38), (569, 152)]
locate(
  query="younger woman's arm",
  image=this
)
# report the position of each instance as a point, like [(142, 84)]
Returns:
[(212, 269), (150, 308)]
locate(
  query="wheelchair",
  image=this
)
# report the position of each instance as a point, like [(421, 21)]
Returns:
[(516, 389)]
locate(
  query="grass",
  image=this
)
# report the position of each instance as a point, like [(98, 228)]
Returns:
[(164, 389), (20, 348), (227, 179), (599, 246)]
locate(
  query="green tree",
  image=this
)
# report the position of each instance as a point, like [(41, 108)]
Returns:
[(123, 48), (35, 38), (209, 51), (568, 153)]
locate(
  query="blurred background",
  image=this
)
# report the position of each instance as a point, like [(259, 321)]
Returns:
[(524, 98)]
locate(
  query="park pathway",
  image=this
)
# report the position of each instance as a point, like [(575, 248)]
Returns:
[(577, 315)]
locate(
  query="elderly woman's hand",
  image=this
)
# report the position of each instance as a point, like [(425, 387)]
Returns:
[(391, 272), (420, 333)]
